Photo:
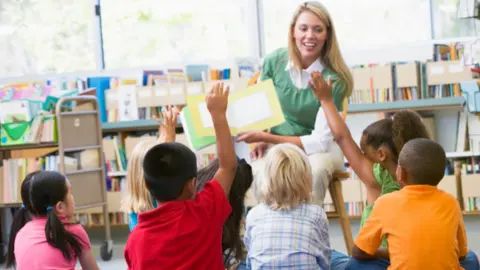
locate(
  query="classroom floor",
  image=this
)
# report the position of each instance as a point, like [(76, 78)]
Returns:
[(119, 236)]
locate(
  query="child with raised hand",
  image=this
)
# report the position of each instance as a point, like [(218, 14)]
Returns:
[(138, 199), (48, 241), (423, 225), (232, 244), (286, 230), (185, 230), (375, 161)]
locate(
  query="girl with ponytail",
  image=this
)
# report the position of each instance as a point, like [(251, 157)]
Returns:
[(49, 241)]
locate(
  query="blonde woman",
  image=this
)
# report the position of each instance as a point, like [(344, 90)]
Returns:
[(285, 230), (312, 46), (138, 198)]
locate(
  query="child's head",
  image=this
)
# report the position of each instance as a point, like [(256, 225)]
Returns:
[(421, 162), (241, 183), (288, 178), (382, 141), (22, 216), (48, 194), (170, 170), (51, 195), (138, 198)]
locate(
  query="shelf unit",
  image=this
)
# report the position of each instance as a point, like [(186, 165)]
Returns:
[(428, 104), (77, 131)]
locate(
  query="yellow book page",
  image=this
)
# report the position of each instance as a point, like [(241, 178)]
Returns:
[(255, 108)]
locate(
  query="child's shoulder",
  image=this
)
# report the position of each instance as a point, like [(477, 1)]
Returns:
[(77, 229), (385, 178), (388, 199), (447, 197)]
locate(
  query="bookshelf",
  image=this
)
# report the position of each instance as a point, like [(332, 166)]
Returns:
[(75, 152), (135, 125), (427, 104)]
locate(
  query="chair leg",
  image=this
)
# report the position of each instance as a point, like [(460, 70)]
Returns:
[(337, 198)]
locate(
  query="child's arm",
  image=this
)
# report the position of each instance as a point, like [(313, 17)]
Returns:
[(167, 124), (462, 237), (370, 237), (217, 102), (360, 164), (87, 261), (323, 238)]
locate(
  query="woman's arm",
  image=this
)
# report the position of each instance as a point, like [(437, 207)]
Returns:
[(360, 164), (319, 141)]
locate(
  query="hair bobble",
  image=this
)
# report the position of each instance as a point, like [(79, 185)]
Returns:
[(49, 208)]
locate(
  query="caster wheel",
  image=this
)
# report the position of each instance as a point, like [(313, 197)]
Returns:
[(106, 251)]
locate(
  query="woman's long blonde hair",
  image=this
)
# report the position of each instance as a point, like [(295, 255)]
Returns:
[(330, 55), (138, 198), (287, 181)]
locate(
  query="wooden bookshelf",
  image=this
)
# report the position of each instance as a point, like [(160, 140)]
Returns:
[(427, 104), (27, 146), (136, 125)]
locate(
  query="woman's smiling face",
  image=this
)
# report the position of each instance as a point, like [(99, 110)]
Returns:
[(310, 34)]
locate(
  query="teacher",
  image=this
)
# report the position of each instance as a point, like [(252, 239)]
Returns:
[(312, 46)]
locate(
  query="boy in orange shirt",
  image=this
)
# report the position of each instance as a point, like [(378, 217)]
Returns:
[(423, 225)]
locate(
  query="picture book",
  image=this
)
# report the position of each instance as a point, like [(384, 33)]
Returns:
[(194, 141), (254, 108)]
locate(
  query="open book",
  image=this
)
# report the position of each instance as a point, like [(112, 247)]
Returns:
[(255, 108)]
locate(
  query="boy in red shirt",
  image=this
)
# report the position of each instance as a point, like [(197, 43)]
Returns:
[(185, 231)]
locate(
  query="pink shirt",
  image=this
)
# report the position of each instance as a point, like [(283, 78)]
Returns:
[(33, 252)]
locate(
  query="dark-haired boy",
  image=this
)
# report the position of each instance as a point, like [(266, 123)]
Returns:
[(423, 225), (185, 231)]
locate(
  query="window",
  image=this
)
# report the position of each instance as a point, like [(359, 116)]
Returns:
[(153, 33), (358, 24), (447, 23), (46, 36)]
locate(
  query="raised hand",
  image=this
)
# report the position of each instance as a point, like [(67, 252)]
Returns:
[(321, 88), (217, 99), (167, 124)]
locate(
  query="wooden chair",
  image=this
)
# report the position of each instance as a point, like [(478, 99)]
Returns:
[(335, 190), (336, 193)]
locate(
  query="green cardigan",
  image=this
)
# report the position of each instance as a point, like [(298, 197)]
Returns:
[(299, 106)]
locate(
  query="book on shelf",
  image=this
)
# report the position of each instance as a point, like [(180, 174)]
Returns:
[(115, 157)]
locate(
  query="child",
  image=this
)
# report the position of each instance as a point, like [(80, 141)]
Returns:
[(48, 241), (423, 225), (287, 231), (185, 230), (138, 198), (375, 163), (232, 244)]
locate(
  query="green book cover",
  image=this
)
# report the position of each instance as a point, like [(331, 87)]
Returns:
[(195, 142)]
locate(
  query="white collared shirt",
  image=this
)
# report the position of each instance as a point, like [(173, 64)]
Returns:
[(321, 139)]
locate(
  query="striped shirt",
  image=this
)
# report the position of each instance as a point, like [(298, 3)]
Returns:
[(281, 239)]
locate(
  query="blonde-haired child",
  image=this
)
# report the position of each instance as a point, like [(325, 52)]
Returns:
[(138, 199), (286, 230)]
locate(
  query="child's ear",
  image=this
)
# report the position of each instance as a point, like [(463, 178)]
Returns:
[(192, 186), (401, 175), (59, 208), (382, 154)]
